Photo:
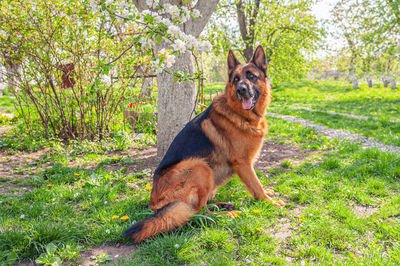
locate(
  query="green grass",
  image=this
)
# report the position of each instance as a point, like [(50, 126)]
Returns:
[(76, 208), (380, 105)]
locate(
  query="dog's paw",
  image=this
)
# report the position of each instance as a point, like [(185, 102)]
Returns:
[(269, 192), (279, 203)]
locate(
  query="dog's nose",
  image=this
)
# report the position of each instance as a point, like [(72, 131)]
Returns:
[(241, 89)]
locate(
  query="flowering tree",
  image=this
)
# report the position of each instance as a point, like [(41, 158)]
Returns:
[(176, 101), (78, 59)]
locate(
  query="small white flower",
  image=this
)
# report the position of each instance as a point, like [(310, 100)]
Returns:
[(147, 43), (146, 12), (176, 245), (163, 52), (108, 231), (173, 10), (1, 202), (116, 256), (179, 45), (157, 18), (76, 195), (195, 13), (170, 60), (53, 200), (190, 41), (149, 3), (90, 196), (174, 31), (134, 221), (166, 22), (22, 216), (105, 202)]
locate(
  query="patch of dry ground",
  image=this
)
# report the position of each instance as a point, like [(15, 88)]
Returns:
[(364, 211), (272, 154), (88, 257)]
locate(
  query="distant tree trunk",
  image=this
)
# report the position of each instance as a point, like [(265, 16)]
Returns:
[(393, 83), (385, 81), (353, 80), (352, 77), (369, 81), (246, 25), (12, 71), (176, 100)]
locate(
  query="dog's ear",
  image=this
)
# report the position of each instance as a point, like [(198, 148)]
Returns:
[(259, 59), (232, 62)]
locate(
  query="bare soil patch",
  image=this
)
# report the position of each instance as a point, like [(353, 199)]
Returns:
[(364, 211), (116, 252), (15, 168), (272, 154), (285, 227)]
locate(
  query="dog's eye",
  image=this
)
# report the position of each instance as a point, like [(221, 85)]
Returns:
[(251, 76), (236, 79)]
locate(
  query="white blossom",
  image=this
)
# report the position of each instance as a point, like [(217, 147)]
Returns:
[(179, 45), (172, 10), (195, 13), (190, 41), (170, 60), (108, 231), (22, 216), (166, 22), (174, 31), (176, 245), (147, 43)]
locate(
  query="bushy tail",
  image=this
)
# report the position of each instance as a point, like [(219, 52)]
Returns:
[(168, 218)]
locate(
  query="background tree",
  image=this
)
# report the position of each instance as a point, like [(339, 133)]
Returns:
[(371, 30), (286, 29)]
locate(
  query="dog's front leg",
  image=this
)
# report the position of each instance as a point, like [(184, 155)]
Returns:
[(249, 178)]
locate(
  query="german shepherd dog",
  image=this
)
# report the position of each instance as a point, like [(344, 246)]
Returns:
[(225, 139)]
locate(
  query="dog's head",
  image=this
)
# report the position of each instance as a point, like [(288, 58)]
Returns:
[(247, 83)]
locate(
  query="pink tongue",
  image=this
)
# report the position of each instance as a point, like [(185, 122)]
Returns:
[(247, 103)]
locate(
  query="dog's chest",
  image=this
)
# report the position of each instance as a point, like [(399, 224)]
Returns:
[(222, 172)]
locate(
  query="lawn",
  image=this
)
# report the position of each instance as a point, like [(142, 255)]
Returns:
[(58, 201)]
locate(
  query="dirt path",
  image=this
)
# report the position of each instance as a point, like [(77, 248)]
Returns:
[(339, 134), (332, 112)]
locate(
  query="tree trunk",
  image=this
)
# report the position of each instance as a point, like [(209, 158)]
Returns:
[(385, 81), (247, 31), (12, 70), (393, 83), (369, 81), (176, 101), (353, 80)]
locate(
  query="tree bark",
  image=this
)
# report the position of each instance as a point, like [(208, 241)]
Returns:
[(247, 31), (175, 100), (369, 81)]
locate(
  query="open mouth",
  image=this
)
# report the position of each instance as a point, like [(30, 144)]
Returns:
[(249, 103)]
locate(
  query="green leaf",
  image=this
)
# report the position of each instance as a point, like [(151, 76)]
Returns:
[(42, 259), (55, 261), (11, 257), (51, 248)]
